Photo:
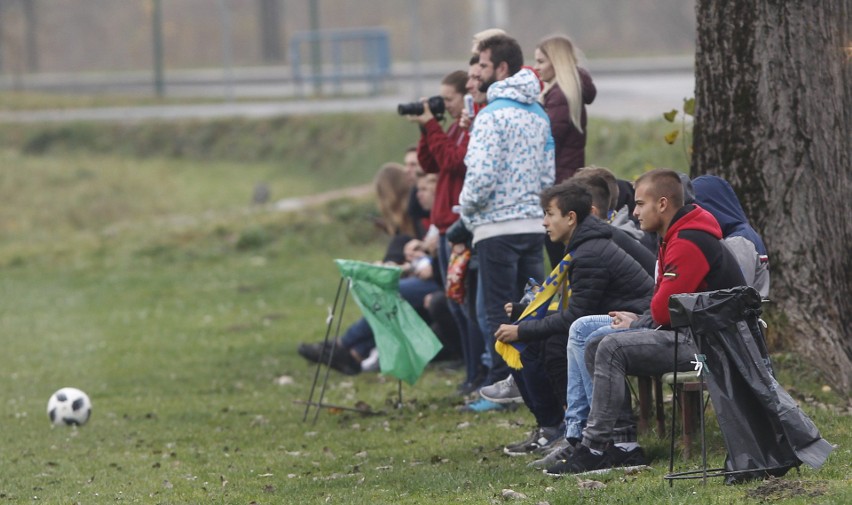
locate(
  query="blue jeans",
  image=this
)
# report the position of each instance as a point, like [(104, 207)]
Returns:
[(359, 336), (580, 384), (505, 264)]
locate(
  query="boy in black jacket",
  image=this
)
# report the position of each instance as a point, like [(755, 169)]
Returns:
[(601, 277)]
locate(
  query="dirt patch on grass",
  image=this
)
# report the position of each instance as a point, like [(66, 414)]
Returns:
[(782, 489)]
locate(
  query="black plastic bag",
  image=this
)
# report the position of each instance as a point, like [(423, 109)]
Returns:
[(763, 428)]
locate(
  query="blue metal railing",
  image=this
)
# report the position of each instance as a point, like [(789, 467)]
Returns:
[(361, 54)]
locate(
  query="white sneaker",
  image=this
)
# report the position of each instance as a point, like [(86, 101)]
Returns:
[(504, 391), (371, 362)]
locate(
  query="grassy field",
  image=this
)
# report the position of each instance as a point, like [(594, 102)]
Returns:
[(136, 270)]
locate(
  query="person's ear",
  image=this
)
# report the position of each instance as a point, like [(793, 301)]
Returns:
[(503, 69), (663, 204)]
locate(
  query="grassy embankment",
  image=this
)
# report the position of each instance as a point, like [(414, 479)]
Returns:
[(134, 268)]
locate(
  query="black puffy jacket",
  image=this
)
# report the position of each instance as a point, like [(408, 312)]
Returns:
[(603, 278)]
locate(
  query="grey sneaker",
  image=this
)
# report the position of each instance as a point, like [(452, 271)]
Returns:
[(540, 439), (558, 451), (504, 391)]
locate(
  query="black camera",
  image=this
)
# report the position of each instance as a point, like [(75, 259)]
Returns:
[(436, 105)]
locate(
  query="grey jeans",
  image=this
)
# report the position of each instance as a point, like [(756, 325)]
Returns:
[(610, 359)]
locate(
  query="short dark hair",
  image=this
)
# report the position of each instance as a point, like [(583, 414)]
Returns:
[(569, 196), (504, 48), (474, 59), (598, 188), (608, 176), (664, 183), (457, 80)]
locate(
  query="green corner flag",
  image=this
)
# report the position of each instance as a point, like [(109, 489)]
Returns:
[(405, 342)]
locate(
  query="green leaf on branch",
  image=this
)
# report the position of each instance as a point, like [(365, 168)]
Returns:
[(670, 116), (689, 106), (671, 136)]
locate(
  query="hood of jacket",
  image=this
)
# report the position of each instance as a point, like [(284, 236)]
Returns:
[(522, 87), (693, 217), (716, 195), (589, 228)]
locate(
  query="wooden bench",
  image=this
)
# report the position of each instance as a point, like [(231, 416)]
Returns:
[(650, 393)]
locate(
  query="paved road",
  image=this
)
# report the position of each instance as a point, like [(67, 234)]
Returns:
[(632, 89)]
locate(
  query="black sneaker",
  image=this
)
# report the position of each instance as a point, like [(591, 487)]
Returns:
[(540, 439), (626, 459), (313, 352), (580, 461), (341, 360), (584, 461)]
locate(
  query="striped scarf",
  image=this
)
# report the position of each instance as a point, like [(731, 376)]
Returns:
[(556, 283)]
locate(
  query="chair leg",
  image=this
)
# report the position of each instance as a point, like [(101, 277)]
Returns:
[(658, 403), (689, 411), (644, 387)]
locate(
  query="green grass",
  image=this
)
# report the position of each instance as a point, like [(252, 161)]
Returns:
[(150, 283)]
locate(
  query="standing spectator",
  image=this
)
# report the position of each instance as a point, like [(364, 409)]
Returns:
[(509, 162), (567, 90), (443, 153)]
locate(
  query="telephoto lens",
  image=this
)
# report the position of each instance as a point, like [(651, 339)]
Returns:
[(436, 105)]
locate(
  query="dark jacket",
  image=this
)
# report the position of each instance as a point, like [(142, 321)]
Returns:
[(443, 154), (603, 278), (716, 196), (569, 142), (634, 249), (692, 259)]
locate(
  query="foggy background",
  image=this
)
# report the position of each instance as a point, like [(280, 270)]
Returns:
[(40, 39)]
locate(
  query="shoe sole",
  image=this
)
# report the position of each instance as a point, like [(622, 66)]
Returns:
[(515, 454), (502, 401), (600, 471)]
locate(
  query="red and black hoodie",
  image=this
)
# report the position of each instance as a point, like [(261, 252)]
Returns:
[(692, 258)]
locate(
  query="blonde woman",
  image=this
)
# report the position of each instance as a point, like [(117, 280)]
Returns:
[(393, 190), (567, 90)]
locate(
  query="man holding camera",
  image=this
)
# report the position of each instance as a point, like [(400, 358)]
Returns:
[(510, 161)]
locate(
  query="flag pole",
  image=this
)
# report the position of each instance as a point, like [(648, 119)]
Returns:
[(329, 322)]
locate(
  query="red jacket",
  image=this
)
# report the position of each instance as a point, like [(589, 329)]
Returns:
[(443, 154), (692, 258)]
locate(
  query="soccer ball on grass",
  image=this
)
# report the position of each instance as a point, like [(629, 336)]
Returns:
[(69, 407)]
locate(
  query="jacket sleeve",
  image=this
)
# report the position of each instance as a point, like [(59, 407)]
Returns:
[(683, 269), (447, 153), (482, 154), (589, 279), (424, 156)]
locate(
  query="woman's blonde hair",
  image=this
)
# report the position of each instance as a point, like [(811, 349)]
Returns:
[(393, 191), (560, 51)]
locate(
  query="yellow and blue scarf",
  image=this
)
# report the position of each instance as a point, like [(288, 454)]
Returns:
[(556, 283)]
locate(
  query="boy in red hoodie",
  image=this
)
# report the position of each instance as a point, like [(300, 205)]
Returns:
[(691, 258)]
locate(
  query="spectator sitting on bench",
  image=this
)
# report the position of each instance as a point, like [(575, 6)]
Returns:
[(579, 381), (601, 277), (691, 258)]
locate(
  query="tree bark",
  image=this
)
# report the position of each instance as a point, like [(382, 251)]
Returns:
[(773, 113)]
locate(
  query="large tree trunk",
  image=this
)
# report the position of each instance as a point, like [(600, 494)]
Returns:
[(773, 113)]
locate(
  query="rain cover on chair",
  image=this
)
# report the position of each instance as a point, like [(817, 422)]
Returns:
[(762, 425)]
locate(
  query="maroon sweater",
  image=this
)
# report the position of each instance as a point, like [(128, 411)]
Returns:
[(443, 154), (570, 144)]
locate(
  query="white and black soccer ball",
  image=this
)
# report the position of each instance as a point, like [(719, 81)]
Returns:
[(69, 407)]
